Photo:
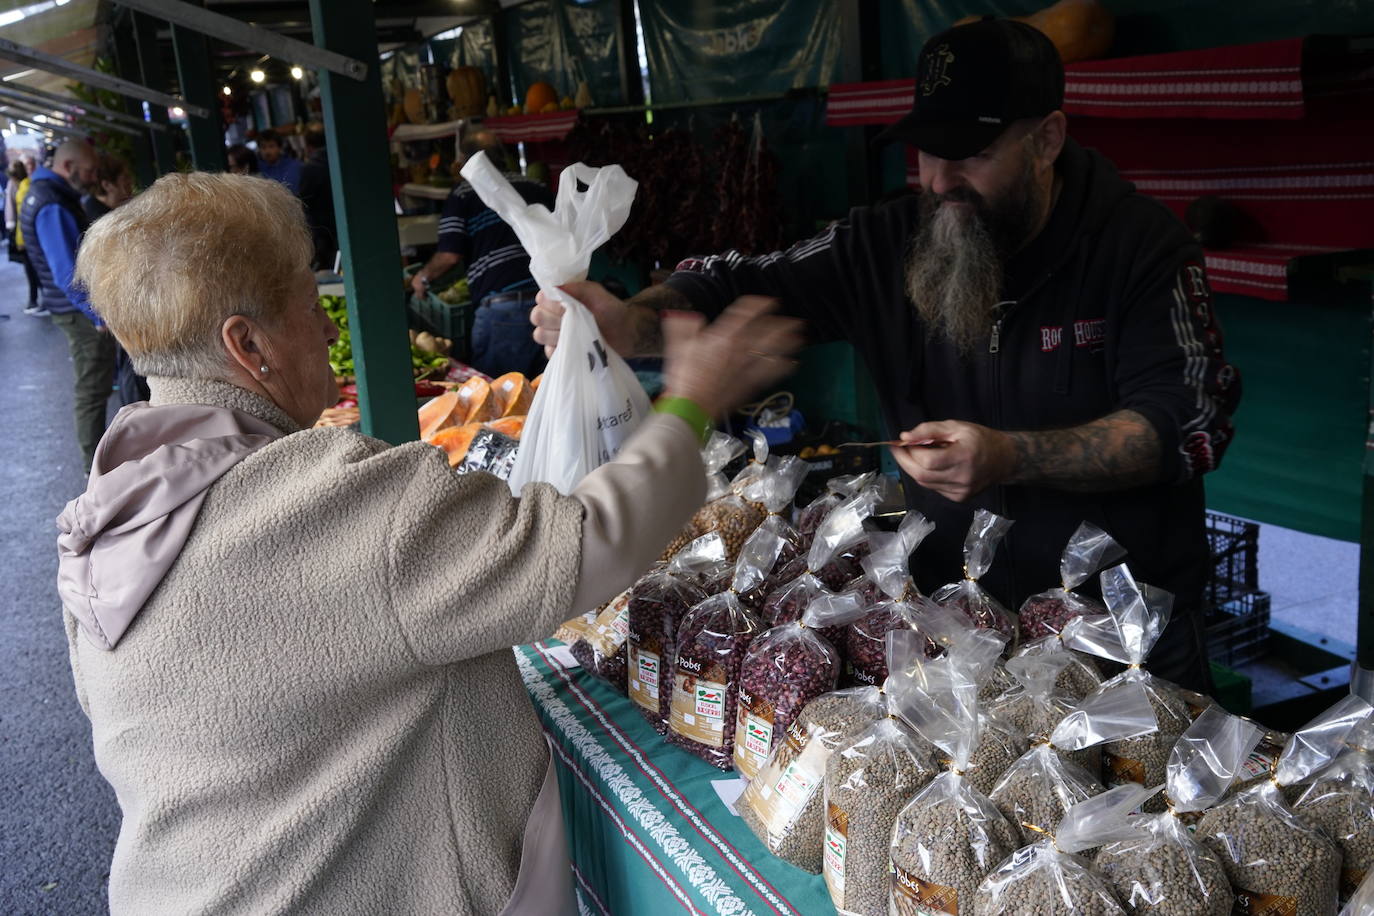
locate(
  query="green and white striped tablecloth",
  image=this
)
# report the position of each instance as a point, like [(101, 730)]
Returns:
[(647, 831)]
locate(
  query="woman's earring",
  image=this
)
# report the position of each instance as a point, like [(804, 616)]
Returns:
[(263, 370)]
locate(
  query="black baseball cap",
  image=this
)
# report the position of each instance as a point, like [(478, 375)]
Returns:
[(973, 81)]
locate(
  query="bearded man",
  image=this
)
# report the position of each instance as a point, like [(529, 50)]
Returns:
[(1041, 336)]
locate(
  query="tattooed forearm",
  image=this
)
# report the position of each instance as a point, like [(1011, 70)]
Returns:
[(646, 334), (1118, 451)]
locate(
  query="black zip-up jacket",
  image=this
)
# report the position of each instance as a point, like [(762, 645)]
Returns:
[(1106, 309)]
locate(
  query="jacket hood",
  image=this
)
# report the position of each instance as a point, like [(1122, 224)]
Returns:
[(150, 475)]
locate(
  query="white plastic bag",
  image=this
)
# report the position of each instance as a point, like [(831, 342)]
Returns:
[(589, 401)]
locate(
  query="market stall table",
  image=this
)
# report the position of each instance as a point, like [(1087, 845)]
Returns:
[(647, 829)]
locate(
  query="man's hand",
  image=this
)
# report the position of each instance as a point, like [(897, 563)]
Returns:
[(610, 312), (956, 459), (419, 285)]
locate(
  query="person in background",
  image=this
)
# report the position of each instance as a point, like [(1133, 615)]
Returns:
[(15, 192), (241, 160), (113, 185), (317, 194), (498, 268), (53, 223), (357, 741), (274, 163)]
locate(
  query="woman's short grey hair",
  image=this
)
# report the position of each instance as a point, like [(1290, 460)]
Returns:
[(167, 268)]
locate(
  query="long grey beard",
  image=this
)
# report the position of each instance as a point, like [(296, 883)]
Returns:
[(954, 276)]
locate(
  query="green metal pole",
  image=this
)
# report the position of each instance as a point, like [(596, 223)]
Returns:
[(126, 63), (150, 66), (1362, 674), (198, 87), (360, 169)]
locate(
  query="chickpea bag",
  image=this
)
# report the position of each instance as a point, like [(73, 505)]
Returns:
[(1273, 857), (785, 803), (1038, 790), (1138, 614), (1162, 870), (950, 835), (980, 546), (1089, 549), (1050, 876)]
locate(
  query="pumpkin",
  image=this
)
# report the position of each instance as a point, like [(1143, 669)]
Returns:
[(513, 394), (455, 441), (539, 95), (467, 90), (508, 426), (1080, 29), (439, 413), (478, 404)]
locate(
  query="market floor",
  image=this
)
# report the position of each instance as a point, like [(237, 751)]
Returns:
[(58, 817)]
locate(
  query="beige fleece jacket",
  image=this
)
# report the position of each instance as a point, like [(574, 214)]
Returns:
[(317, 711)]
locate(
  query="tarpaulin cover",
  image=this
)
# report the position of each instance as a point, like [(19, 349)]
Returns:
[(731, 48), (563, 42)]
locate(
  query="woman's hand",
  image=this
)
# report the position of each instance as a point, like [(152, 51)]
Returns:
[(723, 364)]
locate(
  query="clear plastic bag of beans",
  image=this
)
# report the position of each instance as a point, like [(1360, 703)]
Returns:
[(1036, 706), (785, 668), (1162, 869), (602, 652), (867, 782), (711, 645), (1340, 800), (980, 546), (785, 803), (1080, 675), (775, 543), (837, 490), (843, 527), (887, 569), (1049, 876), (719, 451), (1088, 550), (1138, 614), (950, 835), (658, 603), (1275, 859), (1038, 790)]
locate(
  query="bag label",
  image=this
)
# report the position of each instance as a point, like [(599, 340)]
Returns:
[(836, 845), (796, 784), (612, 626), (1122, 770), (753, 734), (927, 899), (644, 674), (1351, 878), (1251, 904), (698, 704)]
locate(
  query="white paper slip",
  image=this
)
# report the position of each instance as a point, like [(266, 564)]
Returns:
[(563, 655), (730, 790)]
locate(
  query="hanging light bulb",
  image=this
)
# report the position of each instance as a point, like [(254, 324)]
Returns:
[(297, 73), (257, 76), (228, 91)]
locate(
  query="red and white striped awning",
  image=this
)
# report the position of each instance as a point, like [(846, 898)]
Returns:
[(1258, 81), (1257, 270), (534, 128)]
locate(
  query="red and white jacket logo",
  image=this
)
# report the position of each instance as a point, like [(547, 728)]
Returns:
[(1087, 332)]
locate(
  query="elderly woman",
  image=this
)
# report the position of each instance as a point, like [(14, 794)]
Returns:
[(293, 643)]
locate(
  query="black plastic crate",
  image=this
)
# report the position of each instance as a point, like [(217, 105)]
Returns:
[(1238, 629), (1234, 545)]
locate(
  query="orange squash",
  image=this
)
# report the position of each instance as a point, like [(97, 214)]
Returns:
[(539, 95), (478, 404), (455, 441), (467, 90), (439, 413), (513, 394), (534, 385), (509, 426), (1080, 29)]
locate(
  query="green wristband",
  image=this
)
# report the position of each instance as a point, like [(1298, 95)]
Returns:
[(690, 411)]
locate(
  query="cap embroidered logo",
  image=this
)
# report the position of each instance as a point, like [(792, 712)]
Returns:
[(937, 70)]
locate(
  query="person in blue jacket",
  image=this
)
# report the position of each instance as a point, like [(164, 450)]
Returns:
[(53, 221), (275, 164)]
